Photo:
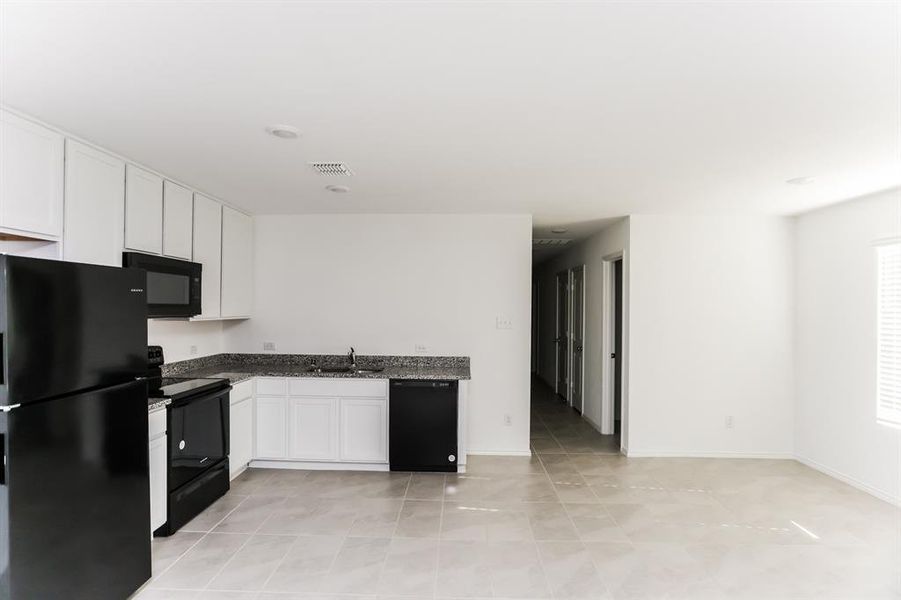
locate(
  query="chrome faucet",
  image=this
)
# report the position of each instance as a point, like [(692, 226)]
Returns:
[(353, 357)]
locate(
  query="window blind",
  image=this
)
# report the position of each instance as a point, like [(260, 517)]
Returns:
[(888, 384)]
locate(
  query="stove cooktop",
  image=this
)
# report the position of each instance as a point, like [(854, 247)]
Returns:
[(181, 387)]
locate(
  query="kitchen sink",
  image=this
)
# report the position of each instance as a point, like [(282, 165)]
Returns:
[(362, 371)]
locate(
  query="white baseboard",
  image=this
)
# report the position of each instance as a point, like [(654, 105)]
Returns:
[(318, 466), (881, 494), (680, 454), (233, 476), (502, 453)]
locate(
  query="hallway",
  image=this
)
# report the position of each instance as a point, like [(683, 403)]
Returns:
[(558, 429)]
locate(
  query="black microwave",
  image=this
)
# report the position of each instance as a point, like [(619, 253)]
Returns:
[(173, 286)]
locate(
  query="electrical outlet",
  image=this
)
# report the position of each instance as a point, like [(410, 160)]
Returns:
[(504, 322), (193, 350), (421, 349), (729, 422), (269, 346), (508, 420)]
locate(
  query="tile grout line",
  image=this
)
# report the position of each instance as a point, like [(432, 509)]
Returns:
[(191, 547), (438, 542), (578, 534)]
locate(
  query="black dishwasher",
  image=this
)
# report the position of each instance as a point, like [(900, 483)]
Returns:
[(423, 425)]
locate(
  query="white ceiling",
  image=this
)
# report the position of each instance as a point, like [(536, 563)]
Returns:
[(574, 112)]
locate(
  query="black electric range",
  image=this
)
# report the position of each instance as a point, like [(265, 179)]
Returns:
[(197, 428)]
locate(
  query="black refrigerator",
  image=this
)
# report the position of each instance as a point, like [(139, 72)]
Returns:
[(74, 482)]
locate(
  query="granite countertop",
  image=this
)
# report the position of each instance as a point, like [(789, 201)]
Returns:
[(240, 367), (157, 403)]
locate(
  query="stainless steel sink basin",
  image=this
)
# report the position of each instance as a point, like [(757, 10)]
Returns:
[(362, 371)]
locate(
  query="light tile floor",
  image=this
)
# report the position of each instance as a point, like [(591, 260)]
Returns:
[(558, 525)]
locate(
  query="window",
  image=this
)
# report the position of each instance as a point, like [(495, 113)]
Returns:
[(888, 359)]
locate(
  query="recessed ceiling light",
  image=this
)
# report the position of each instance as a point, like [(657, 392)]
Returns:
[(559, 230), (338, 189), (286, 132), (801, 180)]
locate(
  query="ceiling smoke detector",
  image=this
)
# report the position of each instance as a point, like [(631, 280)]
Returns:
[(286, 132), (332, 169), (559, 230), (801, 181), (338, 189)]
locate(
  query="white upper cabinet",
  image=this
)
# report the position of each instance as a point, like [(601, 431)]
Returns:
[(178, 220), (237, 263), (31, 178), (95, 206), (143, 211), (208, 252)]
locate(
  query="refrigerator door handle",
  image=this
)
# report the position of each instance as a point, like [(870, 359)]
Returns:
[(3, 463), (8, 408)]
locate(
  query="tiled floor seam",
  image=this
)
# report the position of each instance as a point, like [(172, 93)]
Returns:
[(578, 534), (191, 547)]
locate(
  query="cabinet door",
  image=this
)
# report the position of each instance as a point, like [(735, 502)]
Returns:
[(158, 482), (237, 262), (178, 220), (313, 428), (31, 177), (364, 430), (143, 211), (271, 429), (208, 252), (95, 206), (240, 435)]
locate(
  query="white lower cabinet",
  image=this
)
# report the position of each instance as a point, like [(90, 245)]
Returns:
[(364, 430), (158, 469), (271, 427), (322, 420), (313, 428), (240, 425)]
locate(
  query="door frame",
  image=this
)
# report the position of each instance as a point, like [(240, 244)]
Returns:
[(608, 415), (561, 304), (571, 350)]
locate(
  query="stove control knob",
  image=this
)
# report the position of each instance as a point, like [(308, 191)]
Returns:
[(181, 445), (451, 458)]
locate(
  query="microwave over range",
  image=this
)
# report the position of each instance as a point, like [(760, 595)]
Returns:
[(173, 286)]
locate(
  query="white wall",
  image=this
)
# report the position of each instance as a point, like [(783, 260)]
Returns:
[(177, 338), (835, 419), (384, 283), (591, 252), (710, 336)]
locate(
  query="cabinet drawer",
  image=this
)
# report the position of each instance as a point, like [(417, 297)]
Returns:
[(338, 388), (241, 391), (271, 386), (157, 421)]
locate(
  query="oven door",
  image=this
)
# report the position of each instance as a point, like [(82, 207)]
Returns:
[(173, 286), (198, 436)]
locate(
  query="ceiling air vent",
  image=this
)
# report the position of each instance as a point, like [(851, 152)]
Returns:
[(549, 242), (332, 169)]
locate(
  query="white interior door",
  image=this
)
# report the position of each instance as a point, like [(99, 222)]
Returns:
[(562, 338), (577, 336)]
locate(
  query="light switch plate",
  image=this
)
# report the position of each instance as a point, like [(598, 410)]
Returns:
[(504, 322), (421, 349), (269, 346)]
